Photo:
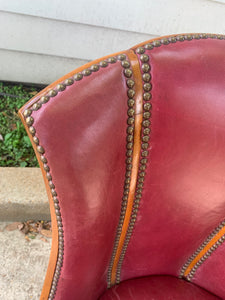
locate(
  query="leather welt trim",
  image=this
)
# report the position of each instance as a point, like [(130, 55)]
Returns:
[(131, 196), (213, 241)]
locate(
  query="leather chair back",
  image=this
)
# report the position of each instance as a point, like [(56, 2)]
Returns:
[(132, 149)]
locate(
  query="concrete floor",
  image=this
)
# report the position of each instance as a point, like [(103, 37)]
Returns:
[(23, 265), (22, 195)]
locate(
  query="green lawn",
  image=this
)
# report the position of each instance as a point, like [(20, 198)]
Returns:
[(15, 146)]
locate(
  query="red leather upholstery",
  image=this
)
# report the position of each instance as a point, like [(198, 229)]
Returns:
[(183, 198), (87, 168), (93, 134), (157, 288)]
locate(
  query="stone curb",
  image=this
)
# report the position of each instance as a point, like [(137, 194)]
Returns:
[(22, 195)]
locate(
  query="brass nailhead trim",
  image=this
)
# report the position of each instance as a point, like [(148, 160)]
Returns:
[(27, 113), (94, 68), (145, 68), (125, 64), (43, 100), (78, 76), (69, 81), (52, 93), (205, 256), (144, 58), (111, 60), (30, 121), (128, 73), (86, 72), (130, 131), (130, 83), (146, 77), (36, 140), (36, 106), (178, 38), (103, 64), (61, 87), (130, 102)]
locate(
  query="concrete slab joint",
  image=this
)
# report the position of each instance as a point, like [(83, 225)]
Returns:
[(23, 195)]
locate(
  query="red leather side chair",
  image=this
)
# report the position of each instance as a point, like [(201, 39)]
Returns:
[(132, 150)]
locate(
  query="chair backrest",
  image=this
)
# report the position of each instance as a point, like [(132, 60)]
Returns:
[(132, 149)]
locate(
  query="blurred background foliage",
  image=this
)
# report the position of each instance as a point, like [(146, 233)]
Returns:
[(15, 146)]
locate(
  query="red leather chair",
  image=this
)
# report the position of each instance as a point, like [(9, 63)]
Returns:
[(132, 150)]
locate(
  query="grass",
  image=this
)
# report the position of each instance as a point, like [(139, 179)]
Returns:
[(15, 147)]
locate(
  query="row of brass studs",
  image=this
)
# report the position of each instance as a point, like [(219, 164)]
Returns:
[(205, 256), (62, 86), (144, 153), (178, 38), (30, 121), (129, 146)]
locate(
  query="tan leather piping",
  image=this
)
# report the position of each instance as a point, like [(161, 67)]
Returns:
[(204, 251), (54, 248), (136, 156)]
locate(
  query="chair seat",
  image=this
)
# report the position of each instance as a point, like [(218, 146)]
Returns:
[(157, 288)]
